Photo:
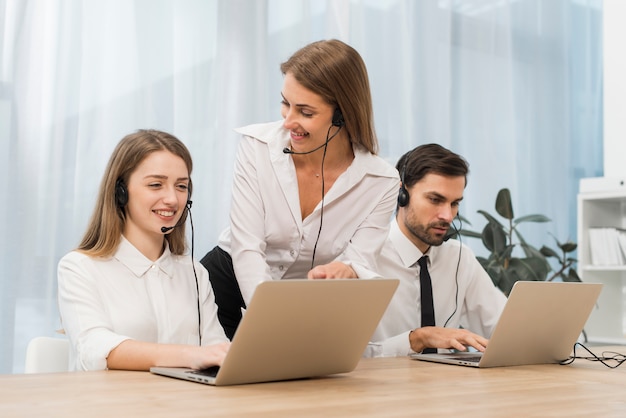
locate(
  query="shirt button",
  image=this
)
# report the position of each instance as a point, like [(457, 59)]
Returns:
[(292, 252), (281, 267)]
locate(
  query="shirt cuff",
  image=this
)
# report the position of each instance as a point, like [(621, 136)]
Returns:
[(363, 272), (396, 346)]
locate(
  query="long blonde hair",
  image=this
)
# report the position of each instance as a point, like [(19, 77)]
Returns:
[(336, 71), (107, 222)]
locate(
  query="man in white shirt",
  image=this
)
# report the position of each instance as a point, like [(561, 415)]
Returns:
[(466, 303)]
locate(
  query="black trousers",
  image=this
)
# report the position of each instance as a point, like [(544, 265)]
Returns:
[(227, 293)]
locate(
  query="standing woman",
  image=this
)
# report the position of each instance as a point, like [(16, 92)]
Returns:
[(128, 295), (310, 196)]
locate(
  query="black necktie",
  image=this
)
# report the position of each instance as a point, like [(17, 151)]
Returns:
[(426, 295)]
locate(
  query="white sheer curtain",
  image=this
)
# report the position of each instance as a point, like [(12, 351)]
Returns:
[(514, 86)]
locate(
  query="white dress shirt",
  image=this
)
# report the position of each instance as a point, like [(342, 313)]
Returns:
[(106, 301), (269, 240), (467, 298)]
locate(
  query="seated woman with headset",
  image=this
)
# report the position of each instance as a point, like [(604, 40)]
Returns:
[(129, 297)]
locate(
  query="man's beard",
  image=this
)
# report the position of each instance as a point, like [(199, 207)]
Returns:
[(421, 232)]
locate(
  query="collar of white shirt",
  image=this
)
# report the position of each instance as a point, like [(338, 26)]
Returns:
[(139, 264)]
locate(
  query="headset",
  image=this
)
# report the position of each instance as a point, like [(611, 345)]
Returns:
[(403, 194), (121, 193), (121, 200), (338, 118)]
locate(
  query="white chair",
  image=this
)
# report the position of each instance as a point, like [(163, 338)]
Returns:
[(47, 355)]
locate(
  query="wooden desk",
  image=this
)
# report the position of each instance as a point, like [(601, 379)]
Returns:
[(378, 387)]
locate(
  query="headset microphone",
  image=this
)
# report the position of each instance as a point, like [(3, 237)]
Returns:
[(165, 229), (289, 151)]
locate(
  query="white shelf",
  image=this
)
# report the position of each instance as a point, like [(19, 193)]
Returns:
[(604, 268), (597, 209)]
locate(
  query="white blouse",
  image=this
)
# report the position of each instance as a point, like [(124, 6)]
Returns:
[(106, 301), (269, 240)]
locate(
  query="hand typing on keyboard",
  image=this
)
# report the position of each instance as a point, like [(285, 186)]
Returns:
[(450, 338)]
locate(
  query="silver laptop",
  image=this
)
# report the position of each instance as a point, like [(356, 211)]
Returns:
[(540, 323), (296, 329)]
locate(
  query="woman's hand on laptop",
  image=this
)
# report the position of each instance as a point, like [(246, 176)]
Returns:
[(449, 338), (209, 355), (334, 270)]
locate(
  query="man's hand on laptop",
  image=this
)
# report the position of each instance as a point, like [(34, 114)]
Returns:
[(450, 338), (334, 270)]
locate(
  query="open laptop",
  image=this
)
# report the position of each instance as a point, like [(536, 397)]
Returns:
[(297, 329), (540, 323)]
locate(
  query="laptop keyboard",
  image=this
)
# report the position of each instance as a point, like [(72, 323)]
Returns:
[(211, 371), (473, 359)]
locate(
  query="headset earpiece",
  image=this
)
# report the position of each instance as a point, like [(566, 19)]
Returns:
[(403, 194), (121, 193), (338, 118)]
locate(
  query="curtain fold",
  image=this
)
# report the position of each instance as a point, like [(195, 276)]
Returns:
[(514, 86)]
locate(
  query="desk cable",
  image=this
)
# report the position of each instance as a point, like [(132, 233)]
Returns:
[(610, 359)]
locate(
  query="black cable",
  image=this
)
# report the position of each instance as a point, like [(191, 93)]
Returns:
[(195, 274), (323, 192), (607, 356), (456, 276)]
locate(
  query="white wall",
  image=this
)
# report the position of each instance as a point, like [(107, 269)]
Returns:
[(614, 14)]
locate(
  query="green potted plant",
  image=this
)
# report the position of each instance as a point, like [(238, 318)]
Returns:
[(511, 257)]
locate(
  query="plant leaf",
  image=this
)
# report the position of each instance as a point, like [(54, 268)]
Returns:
[(504, 206), (506, 281), (568, 247), (549, 252), (531, 251), (531, 218), (494, 238), (490, 218), (471, 234), (572, 276), (531, 268)]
